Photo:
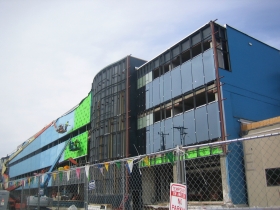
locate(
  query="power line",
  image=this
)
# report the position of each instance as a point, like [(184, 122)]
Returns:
[(182, 133), (162, 145)]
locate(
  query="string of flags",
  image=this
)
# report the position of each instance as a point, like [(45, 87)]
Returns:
[(128, 164)]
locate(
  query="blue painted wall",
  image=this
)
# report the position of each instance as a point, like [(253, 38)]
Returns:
[(45, 158), (251, 91), (38, 161)]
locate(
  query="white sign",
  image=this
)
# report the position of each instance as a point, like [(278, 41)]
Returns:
[(91, 185), (178, 198), (93, 207)]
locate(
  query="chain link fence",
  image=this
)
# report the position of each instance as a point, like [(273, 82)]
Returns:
[(238, 174)]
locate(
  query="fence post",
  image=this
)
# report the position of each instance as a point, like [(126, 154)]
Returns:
[(21, 199), (178, 168), (58, 192), (28, 194), (184, 176), (38, 205), (123, 185), (86, 189)]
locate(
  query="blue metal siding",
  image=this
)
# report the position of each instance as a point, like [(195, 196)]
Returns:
[(202, 124), (253, 83), (251, 92), (190, 75)]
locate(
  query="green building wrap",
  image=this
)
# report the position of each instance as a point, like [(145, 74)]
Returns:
[(82, 113), (81, 118), (82, 138)]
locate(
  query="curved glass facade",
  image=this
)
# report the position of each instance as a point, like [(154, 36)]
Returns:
[(109, 110)]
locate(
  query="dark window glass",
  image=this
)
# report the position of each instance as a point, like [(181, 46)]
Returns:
[(186, 56), (196, 50), (167, 56), (206, 44), (185, 45), (175, 62), (211, 95), (196, 39), (188, 102), (167, 67), (206, 32), (156, 62), (200, 98), (168, 111), (157, 115), (272, 176), (175, 51), (156, 73)]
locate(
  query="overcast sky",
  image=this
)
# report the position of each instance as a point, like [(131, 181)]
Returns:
[(50, 51)]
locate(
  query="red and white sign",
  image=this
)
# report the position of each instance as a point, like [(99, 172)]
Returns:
[(178, 197)]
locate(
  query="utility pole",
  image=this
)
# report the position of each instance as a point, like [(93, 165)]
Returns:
[(182, 133), (162, 141)]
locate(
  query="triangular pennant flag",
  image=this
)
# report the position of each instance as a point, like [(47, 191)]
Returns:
[(78, 170), (118, 164), (170, 157), (60, 175), (129, 165), (54, 176), (43, 178), (68, 175), (146, 161), (87, 170), (107, 166), (100, 168)]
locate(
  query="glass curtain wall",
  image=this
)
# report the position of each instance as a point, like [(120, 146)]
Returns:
[(177, 90), (108, 113)]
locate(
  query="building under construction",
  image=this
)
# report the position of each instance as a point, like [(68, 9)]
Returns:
[(197, 91)]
